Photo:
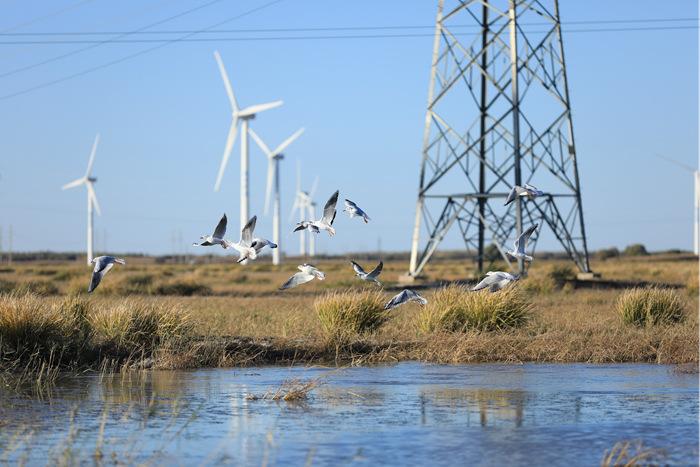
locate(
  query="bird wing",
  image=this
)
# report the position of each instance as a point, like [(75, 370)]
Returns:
[(349, 204), (204, 243), (247, 232), (412, 295), (358, 269), (488, 281), (398, 299), (511, 196), (329, 208), (300, 226), (531, 187), (524, 237), (101, 268), (220, 229), (377, 270), (297, 279)]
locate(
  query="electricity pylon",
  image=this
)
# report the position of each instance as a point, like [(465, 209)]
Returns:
[(498, 115)]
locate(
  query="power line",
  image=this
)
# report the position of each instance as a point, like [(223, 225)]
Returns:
[(316, 37), (336, 28), (60, 11), (95, 44), (135, 54)]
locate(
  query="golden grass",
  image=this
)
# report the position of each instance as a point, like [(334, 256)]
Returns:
[(293, 390), (650, 306), (344, 315), (457, 309), (630, 454)]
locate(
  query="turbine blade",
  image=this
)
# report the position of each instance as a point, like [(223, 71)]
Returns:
[(73, 184), (261, 144), (294, 207), (255, 109), (288, 141), (268, 188), (227, 153), (313, 188), (298, 176), (91, 161), (93, 197), (227, 82)]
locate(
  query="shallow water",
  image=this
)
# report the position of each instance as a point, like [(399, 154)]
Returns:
[(406, 414)]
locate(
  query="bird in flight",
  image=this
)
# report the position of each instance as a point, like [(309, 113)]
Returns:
[(217, 238), (307, 272), (326, 222), (368, 276), (495, 281), (353, 210), (405, 296), (528, 191), (102, 266), (521, 243)]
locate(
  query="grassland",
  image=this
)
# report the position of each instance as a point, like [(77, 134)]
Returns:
[(229, 315)]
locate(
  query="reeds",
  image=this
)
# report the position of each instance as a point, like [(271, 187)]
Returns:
[(650, 306), (629, 454), (457, 309)]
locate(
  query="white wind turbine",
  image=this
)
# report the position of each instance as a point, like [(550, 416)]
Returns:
[(273, 177), (304, 204), (88, 180), (241, 116)]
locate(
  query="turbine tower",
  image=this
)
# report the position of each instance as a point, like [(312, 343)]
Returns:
[(498, 115), (88, 180), (273, 178), (242, 117), (303, 203)]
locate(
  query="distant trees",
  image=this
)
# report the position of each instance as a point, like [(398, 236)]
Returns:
[(635, 249)]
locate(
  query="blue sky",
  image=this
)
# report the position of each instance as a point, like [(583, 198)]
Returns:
[(163, 118)]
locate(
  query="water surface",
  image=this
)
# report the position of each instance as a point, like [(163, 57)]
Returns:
[(405, 414)]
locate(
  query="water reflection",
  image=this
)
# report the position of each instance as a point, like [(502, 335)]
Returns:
[(403, 414)]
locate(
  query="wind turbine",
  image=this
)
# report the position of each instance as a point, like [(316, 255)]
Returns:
[(88, 180), (273, 177), (696, 210), (242, 116), (303, 203)]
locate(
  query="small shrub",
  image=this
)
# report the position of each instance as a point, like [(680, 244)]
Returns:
[(457, 309), (185, 288), (607, 253), (347, 314), (636, 249), (650, 306), (561, 274)]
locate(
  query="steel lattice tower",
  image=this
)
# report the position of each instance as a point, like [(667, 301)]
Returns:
[(498, 115)]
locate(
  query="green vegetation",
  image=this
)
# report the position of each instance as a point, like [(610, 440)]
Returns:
[(635, 249), (650, 306), (344, 315)]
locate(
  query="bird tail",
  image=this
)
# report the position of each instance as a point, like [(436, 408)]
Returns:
[(119, 260)]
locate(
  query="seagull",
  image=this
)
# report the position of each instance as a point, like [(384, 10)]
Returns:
[(260, 243), (368, 276), (246, 247), (521, 243), (354, 210), (406, 295), (527, 191), (102, 266), (495, 281), (217, 238), (326, 222), (307, 273)]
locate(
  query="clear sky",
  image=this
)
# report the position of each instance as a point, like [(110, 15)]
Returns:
[(163, 118)]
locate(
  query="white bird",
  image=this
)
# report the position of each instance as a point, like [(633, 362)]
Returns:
[(246, 247), (217, 238), (326, 222), (102, 266), (307, 272), (528, 191), (521, 243), (405, 296), (495, 281), (260, 243), (368, 276), (354, 210)]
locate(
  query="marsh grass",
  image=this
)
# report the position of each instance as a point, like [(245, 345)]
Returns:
[(456, 309), (292, 390), (344, 315), (650, 306)]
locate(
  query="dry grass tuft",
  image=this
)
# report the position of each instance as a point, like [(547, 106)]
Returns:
[(294, 390), (457, 309), (344, 315), (650, 306), (629, 454)]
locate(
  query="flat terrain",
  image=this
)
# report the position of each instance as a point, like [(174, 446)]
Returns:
[(239, 317)]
